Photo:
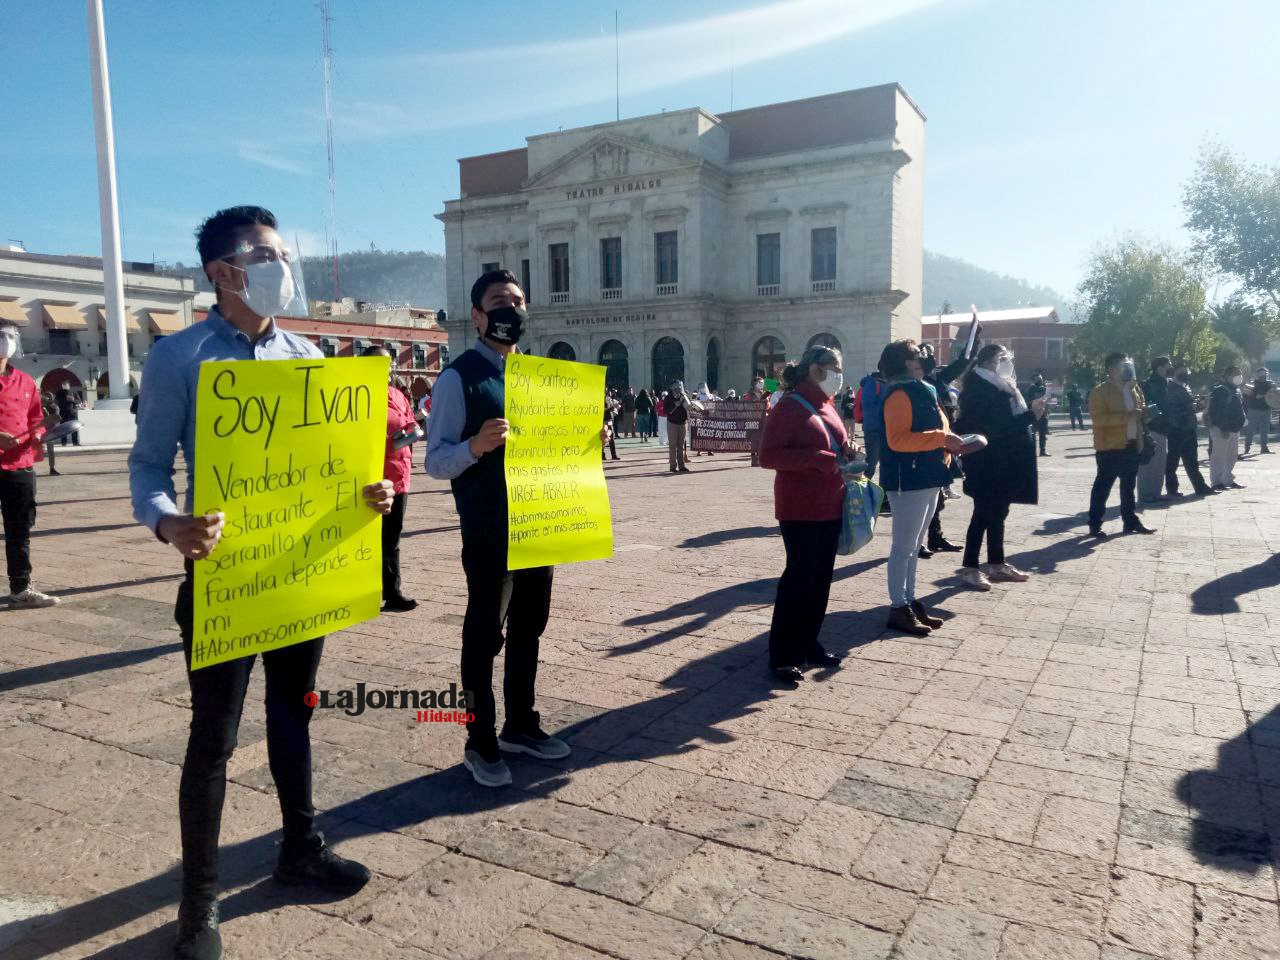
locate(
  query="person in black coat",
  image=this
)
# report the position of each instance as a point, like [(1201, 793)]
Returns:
[(1003, 472)]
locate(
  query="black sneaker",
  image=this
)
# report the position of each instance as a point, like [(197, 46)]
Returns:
[(943, 545), (534, 742), (1235, 486), (318, 866), (924, 553), (1098, 532), (400, 605), (198, 936), (788, 674)]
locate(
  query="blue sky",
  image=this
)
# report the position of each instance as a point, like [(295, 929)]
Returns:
[(1052, 126)]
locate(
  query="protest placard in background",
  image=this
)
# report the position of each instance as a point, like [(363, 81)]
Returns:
[(731, 426), (557, 502), (285, 448)]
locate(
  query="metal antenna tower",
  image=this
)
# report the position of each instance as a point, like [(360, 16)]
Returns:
[(328, 130)]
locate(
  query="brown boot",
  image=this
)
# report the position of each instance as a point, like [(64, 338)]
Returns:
[(933, 623), (904, 620)]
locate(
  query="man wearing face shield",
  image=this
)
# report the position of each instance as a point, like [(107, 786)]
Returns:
[(21, 434), (1226, 416), (1116, 410), (466, 446), (255, 281)]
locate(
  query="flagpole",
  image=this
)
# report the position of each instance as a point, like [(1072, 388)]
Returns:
[(108, 214)]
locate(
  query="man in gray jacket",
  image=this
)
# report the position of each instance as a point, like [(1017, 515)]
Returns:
[(1180, 411)]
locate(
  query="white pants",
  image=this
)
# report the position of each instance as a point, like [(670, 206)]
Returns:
[(912, 511), (1151, 473), (662, 430), (1222, 459)]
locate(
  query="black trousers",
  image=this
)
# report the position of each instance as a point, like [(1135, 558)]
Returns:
[(935, 525), (1183, 448), (987, 521), (803, 590), (498, 598), (1115, 465), (392, 525), (1077, 419), (18, 507), (217, 700), (1042, 431)]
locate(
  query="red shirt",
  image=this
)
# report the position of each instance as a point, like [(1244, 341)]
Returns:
[(21, 416), (808, 484), (399, 463)]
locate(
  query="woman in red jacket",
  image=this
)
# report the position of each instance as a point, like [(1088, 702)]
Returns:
[(397, 466), (803, 441)]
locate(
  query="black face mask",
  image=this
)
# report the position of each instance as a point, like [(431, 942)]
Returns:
[(505, 324), (927, 364)]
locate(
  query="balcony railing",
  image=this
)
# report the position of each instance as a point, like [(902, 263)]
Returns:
[(824, 286), (611, 293), (560, 297), (668, 289), (768, 290)]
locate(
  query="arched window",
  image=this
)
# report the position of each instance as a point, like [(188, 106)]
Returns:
[(613, 357), (825, 340), (768, 357), (713, 363), (562, 351), (668, 362)]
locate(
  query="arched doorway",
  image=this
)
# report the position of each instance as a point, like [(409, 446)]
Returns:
[(825, 340), (563, 351), (713, 363), (668, 362), (55, 380), (104, 384), (768, 357), (613, 357)]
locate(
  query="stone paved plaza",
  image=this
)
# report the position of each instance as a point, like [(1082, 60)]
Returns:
[(1085, 766)]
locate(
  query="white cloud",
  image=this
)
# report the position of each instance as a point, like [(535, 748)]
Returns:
[(537, 78), (265, 157)]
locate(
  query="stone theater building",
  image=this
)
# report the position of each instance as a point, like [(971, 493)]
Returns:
[(703, 247)]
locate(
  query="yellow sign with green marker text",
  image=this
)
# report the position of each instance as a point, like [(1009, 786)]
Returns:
[(557, 501), (285, 449)]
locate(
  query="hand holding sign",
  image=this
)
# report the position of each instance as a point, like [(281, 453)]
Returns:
[(193, 537), (492, 435)]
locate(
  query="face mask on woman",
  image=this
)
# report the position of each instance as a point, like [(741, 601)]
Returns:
[(1005, 368), (1237, 379), (833, 383)]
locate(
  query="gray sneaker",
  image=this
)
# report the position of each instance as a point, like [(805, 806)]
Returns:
[(30, 599), (487, 772), (536, 744)]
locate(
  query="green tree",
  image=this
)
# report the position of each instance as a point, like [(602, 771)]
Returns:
[(1233, 213), (1145, 299), (1250, 328)]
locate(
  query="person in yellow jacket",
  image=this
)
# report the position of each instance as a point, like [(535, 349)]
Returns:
[(1116, 408)]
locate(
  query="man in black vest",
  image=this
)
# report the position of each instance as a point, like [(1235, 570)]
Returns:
[(465, 445)]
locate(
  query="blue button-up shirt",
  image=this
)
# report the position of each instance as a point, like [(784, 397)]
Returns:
[(448, 455), (167, 404)]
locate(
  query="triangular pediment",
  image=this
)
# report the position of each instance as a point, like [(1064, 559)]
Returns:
[(611, 157)]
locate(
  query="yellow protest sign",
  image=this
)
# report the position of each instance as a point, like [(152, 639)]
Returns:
[(284, 448), (557, 502)]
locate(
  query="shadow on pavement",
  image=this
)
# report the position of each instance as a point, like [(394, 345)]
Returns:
[(701, 695), (1222, 595), (79, 666), (717, 537), (1229, 828)]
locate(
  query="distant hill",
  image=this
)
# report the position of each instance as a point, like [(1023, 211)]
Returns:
[(378, 276), (417, 277), (954, 281)]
